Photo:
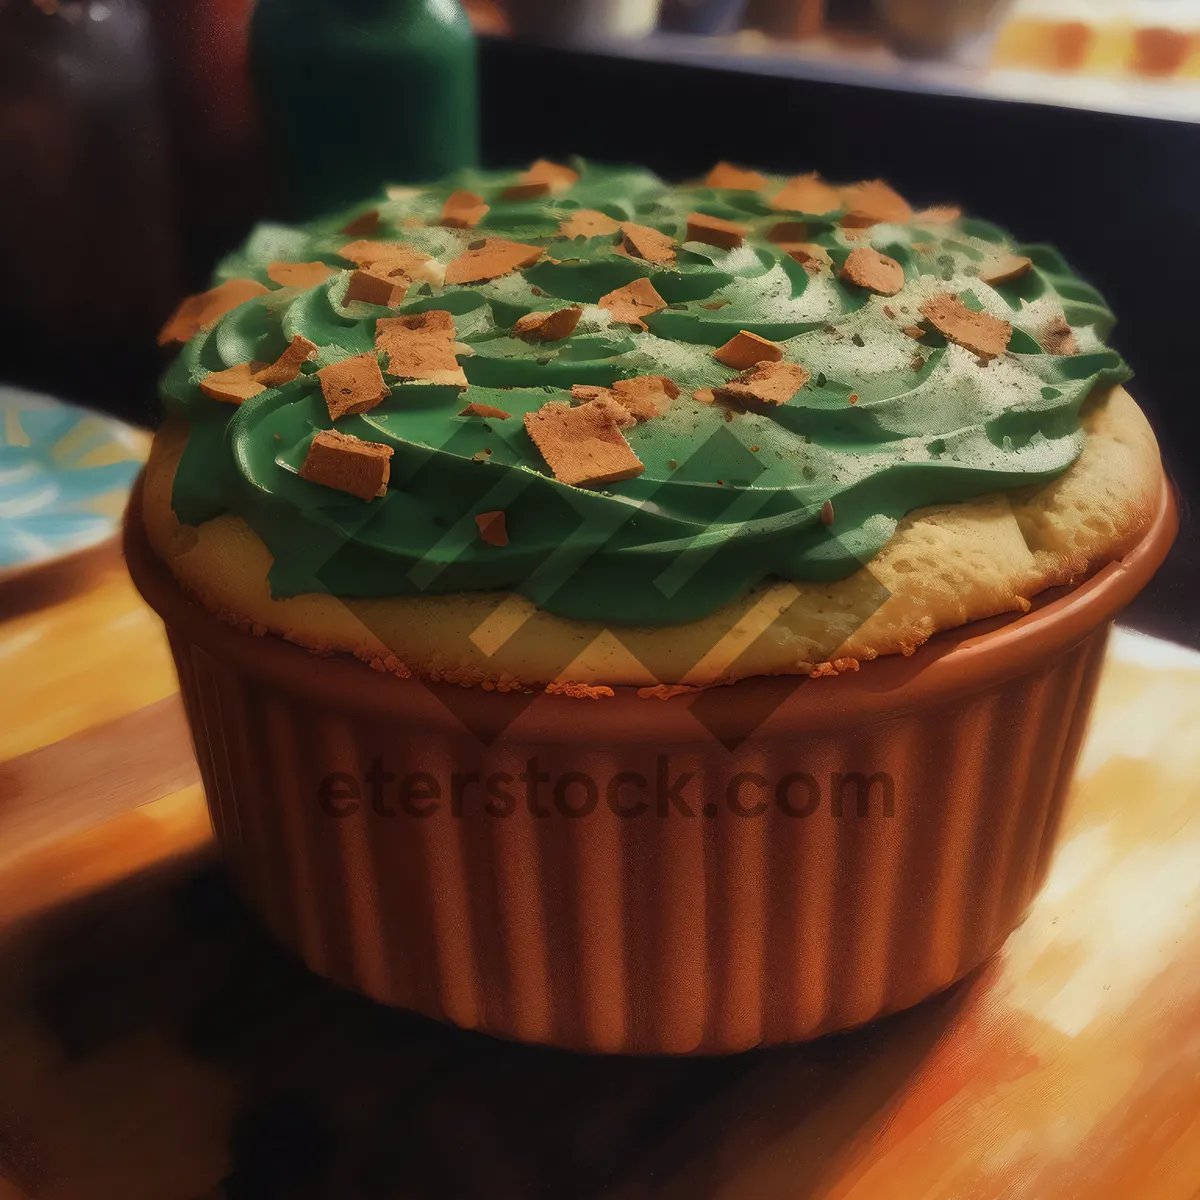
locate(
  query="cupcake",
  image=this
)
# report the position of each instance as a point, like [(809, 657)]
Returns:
[(643, 618)]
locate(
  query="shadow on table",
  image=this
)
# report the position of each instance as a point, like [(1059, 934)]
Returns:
[(338, 1097)]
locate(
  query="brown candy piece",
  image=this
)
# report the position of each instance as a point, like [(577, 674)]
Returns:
[(353, 385), (287, 366), (979, 332), (398, 256), (746, 349), (641, 383), (233, 384), (206, 309), (548, 326), (639, 399), (646, 396), (348, 464), (806, 194), (873, 202), (629, 304), (606, 402), (365, 222), (542, 179), (766, 383), (649, 244), (1005, 269), (788, 233), (1058, 337), (735, 179), (475, 409), (583, 392), (812, 257), (496, 257), (299, 274), (434, 322), (583, 446), (423, 360), (867, 268), (420, 347), (381, 283), (463, 210), (940, 214), (714, 231), (492, 528), (588, 222)]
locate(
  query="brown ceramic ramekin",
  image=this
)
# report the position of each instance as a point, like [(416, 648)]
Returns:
[(667, 878)]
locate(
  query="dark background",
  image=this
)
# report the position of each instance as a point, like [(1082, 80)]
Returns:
[(1117, 194)]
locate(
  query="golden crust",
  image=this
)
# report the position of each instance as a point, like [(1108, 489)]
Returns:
[(944, 566)]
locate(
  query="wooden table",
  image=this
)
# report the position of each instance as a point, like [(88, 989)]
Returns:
[(154, 1044)]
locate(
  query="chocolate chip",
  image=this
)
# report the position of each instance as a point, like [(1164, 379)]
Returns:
[(477, 244), (820, 380), (857, 340)]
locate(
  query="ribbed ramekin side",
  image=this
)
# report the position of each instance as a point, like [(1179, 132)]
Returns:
[(867, 867)]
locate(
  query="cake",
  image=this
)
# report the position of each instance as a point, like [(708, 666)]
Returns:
[(942, 394), (576, 436)]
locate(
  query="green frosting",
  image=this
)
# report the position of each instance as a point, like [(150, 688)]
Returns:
[(723, 504)]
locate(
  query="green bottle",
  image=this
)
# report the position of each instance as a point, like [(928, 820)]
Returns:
[(357, 93)]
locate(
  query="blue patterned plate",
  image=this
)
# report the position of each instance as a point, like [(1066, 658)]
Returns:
[(65, 474)]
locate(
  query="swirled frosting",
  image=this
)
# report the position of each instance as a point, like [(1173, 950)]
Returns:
[(892, 416)]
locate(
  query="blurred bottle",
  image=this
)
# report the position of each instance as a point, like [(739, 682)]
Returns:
[(355, 93), (795, 20), (581, 21), (702, 16), (960, 29), (87, 236), (217, 148)]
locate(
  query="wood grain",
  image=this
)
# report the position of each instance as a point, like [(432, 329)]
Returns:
[(98, 655), (88, 777), (87, 862)]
